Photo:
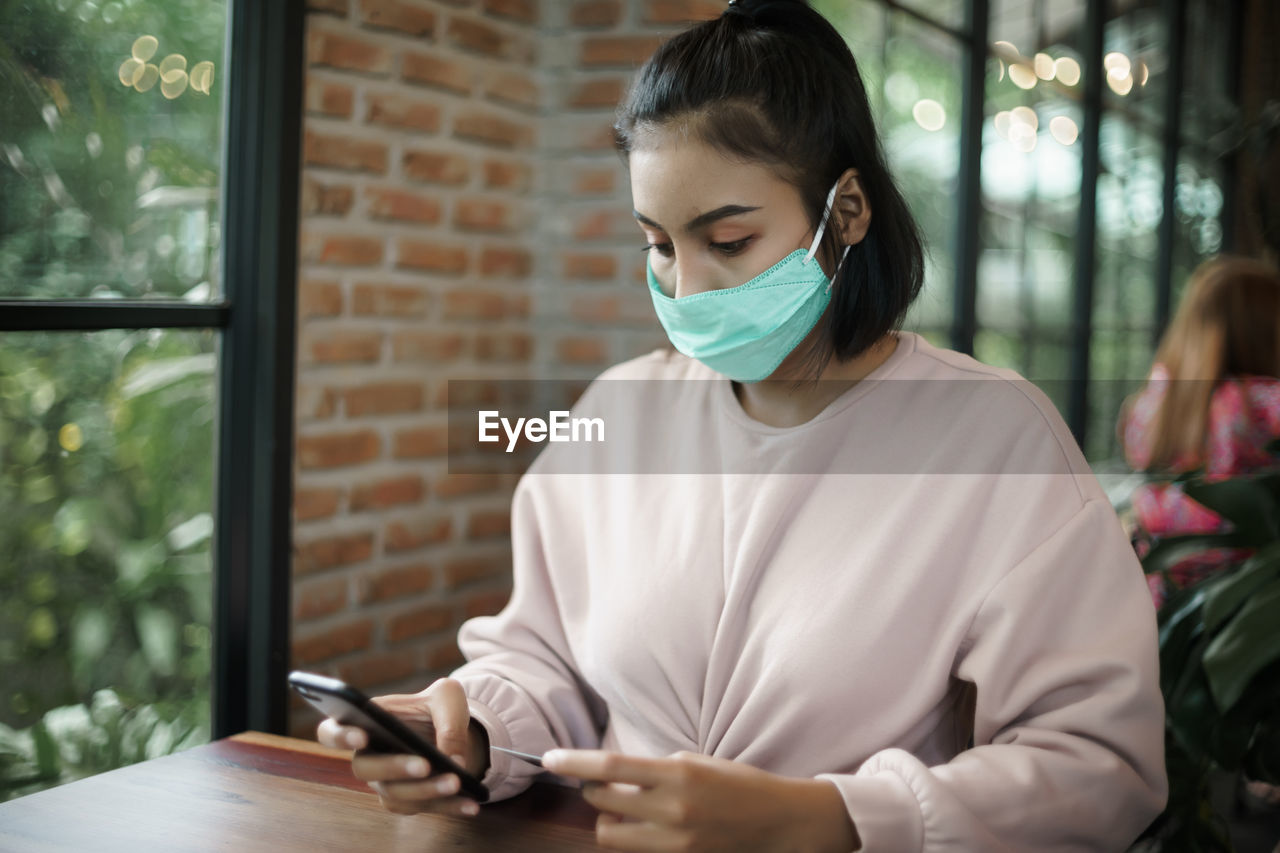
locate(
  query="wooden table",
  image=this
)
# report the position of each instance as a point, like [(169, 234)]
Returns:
[(263, 792)]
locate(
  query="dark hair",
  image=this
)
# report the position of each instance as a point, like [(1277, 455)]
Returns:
[(772, 81)]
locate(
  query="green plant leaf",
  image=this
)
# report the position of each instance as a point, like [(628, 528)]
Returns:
[(1246, 502), (1229, 591), (47, 761), (1244, 646)]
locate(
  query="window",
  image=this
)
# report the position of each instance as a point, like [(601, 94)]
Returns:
[(1068, 164), (145, 380)]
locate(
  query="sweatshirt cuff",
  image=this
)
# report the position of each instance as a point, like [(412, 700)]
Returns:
[(884, 811), (509, 722)]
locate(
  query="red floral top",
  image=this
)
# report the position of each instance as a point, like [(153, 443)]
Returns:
[(1244, 416)]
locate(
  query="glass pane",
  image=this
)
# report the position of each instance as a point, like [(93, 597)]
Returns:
[(1135, 64), (912, 72), (106, 501), (110, 148), (1030, 185)]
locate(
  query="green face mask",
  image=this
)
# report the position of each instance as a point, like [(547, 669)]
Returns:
[(745, 332)]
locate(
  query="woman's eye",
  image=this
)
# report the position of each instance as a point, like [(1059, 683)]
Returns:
[(664, 249), (731, 248)]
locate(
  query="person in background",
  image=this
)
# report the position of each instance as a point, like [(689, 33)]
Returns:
[(1211, 402)]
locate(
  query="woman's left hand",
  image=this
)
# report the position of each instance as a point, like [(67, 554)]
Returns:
[(695, 802)]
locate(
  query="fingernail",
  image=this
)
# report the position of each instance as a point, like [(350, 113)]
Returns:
[(458, 760), (353, 740), (416, 767), (447, 785), (470, 808), (551, 757)]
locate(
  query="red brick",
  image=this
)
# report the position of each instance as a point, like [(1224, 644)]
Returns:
[(383, 398), (474, 305), (332, 642), (396, 15), (597, 93), (394, 583), (325, 199), (369, 671), (681, 11), (342, 251), (349, 53), (437, 168), (499, 174), (427, 70), (478, 36), (329, 99), (311, 504), (605, 224), (504, 346), (478, 214), (388, 300), (331, 553), (620, 51), (445, 656), (595, 311), (314, 402), (341, 152), (338, 449), (337, 8), (420, 442), (319, 298), (524, 11), (596, 13), (589, 266), (432, 257), (401, 206), (486, 603), (317, 597), (387, 493), (488, 524), (492, 129), (461, 571), (426, 346), (347, 346), (580, 350), (416, 533), (515, 89), (426, 619), (465, 483), (402, 112), (505, 263), (594, 181)]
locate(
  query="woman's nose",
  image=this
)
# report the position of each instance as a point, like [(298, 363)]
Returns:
[(691, 278)]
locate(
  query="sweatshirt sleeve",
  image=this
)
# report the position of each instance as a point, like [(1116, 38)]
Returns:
[(1068, 735), (521, 681)]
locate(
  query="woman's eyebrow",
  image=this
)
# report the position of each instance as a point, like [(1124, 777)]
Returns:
[(702, 219)]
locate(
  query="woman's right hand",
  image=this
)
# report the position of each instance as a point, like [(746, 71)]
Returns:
[(441, 716)]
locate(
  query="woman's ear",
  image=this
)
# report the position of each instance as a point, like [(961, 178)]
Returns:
[(852, 209)]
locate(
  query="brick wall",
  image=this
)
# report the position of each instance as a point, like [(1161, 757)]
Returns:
[(463, 216)]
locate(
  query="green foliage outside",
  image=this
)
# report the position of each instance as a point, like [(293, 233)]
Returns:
[(106, 438), (1220, 664)]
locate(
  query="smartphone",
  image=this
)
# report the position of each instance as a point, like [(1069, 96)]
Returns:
[(387, 733)]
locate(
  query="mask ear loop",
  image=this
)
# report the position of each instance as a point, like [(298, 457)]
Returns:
[(843, 255), (822, 226)]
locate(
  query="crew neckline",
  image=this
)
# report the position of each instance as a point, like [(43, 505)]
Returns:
[(908, 343)]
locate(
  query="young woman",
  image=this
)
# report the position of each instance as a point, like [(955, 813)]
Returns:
[(874, 611), (1212, 402)]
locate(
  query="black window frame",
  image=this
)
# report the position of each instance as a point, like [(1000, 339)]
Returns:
[(262, 115)]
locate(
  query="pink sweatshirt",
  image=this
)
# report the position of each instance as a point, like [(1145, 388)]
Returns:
[(848, 599)]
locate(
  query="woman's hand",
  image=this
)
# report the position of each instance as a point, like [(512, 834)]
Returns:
[(696, 802), (440, 715)]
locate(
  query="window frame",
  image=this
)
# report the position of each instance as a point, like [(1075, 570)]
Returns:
[(253, 493)]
